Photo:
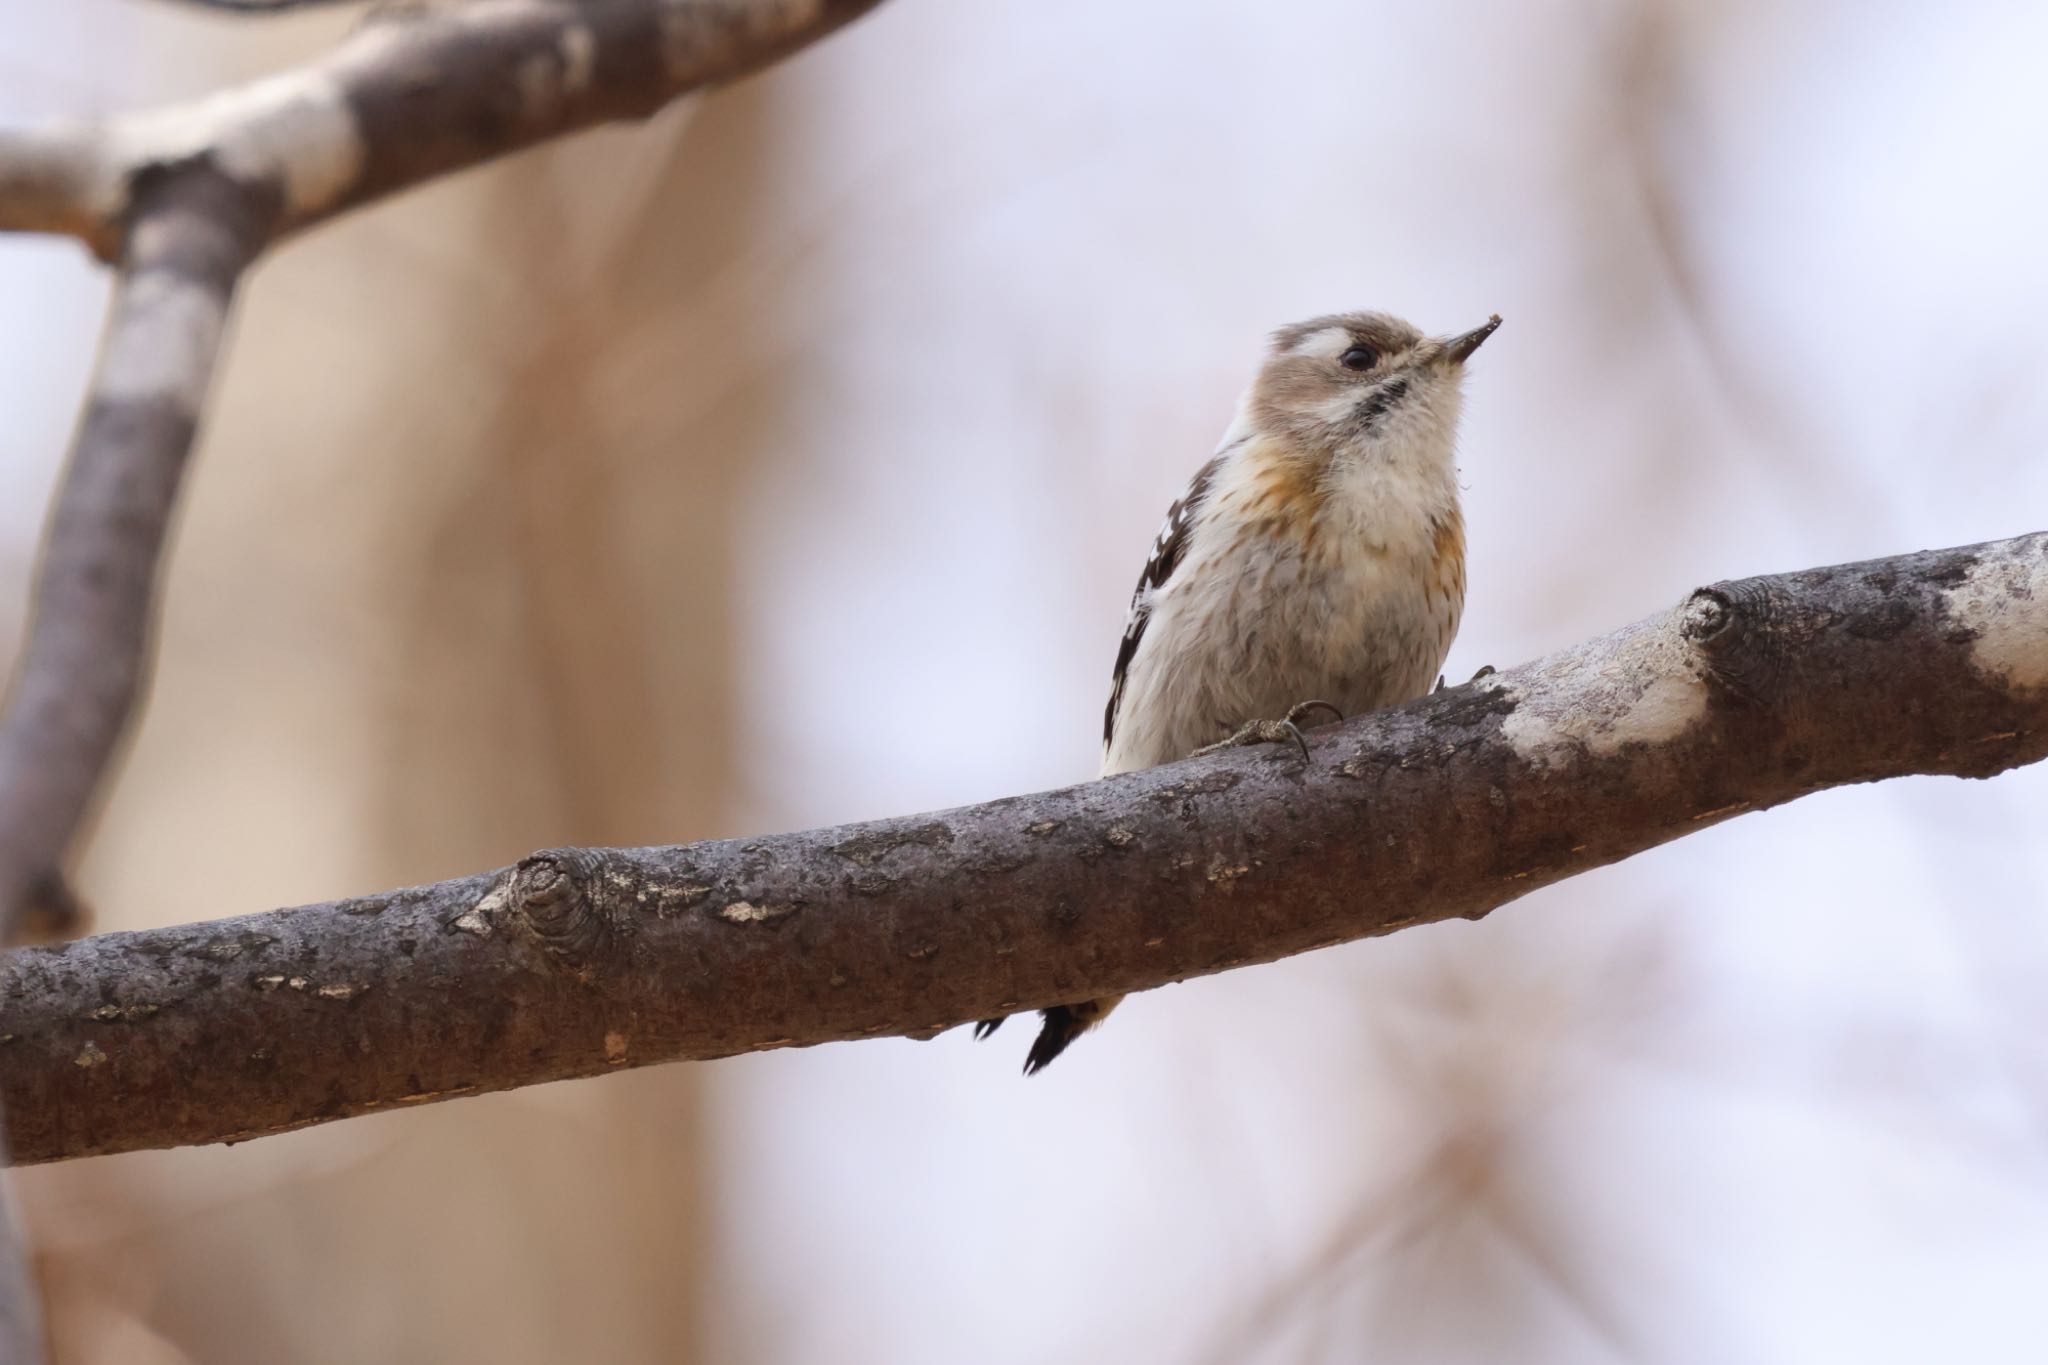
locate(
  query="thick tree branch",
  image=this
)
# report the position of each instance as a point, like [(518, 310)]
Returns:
[(185, 198), (579, 961)]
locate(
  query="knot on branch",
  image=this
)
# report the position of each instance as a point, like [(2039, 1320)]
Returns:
[(566, 900), (1708, 613), (1744, 632), (50, 911), (238, 215)]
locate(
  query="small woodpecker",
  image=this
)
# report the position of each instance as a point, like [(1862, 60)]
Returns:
[(1317, 562)]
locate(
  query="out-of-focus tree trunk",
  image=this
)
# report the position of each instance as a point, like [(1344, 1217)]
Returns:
[(545, 556)]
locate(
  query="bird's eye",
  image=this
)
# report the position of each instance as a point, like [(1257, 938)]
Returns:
[(1359, 358)]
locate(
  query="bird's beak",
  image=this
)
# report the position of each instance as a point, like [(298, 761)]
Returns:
[(1459, 347)]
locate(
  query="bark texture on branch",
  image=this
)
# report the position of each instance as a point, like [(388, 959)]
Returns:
[(185, 198), (82, 664), (577, 961), (419, 91)]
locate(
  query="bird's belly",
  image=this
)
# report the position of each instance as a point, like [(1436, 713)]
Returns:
[(1362, 635), (1361, 648)]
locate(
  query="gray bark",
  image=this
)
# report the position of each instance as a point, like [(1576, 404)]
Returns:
[(579, 961)]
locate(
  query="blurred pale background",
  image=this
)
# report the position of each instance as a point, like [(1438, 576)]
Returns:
[(789, 460)]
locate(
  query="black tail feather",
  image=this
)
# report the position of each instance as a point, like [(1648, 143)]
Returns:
[(1063, 1024)]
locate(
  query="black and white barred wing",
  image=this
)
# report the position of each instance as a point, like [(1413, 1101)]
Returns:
[(1167, 550)]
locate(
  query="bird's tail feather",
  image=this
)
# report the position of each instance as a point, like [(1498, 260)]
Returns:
[(1063, 1024)]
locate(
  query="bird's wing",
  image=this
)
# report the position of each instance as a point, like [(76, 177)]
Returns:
[(1167, 549)]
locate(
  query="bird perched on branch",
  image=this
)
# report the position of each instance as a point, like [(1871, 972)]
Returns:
[(1316, 563)]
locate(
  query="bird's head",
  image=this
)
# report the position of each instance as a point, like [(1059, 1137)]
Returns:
[(1363, 385)]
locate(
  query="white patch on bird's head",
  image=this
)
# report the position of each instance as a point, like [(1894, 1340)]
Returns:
[(1324, 343)]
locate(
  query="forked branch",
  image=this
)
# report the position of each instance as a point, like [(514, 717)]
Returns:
[(183, 200)]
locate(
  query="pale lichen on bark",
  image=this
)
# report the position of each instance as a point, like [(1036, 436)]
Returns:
[(1644, 684), (166, 331), (2000, 601), (296, 130)]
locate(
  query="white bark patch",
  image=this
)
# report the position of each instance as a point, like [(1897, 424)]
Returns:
[(307, 136), (479, 918), (685, 26), (746, 912), (155, 235), (296, 129), (2005, 601), (578, 46), (1642, 685), (548, 80), (507, 14), (165, 336)]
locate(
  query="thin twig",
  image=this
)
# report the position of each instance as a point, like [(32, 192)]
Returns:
[(21, 1313), (579, 961)]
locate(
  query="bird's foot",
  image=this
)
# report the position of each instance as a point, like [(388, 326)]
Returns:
[(1273, 731), (1486, 672)]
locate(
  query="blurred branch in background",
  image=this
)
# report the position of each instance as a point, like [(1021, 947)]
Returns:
[(193, 233), (185, 198), (264, 6), (1656, 63), (578, 961), (1484, 1044), (21, 1317)]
